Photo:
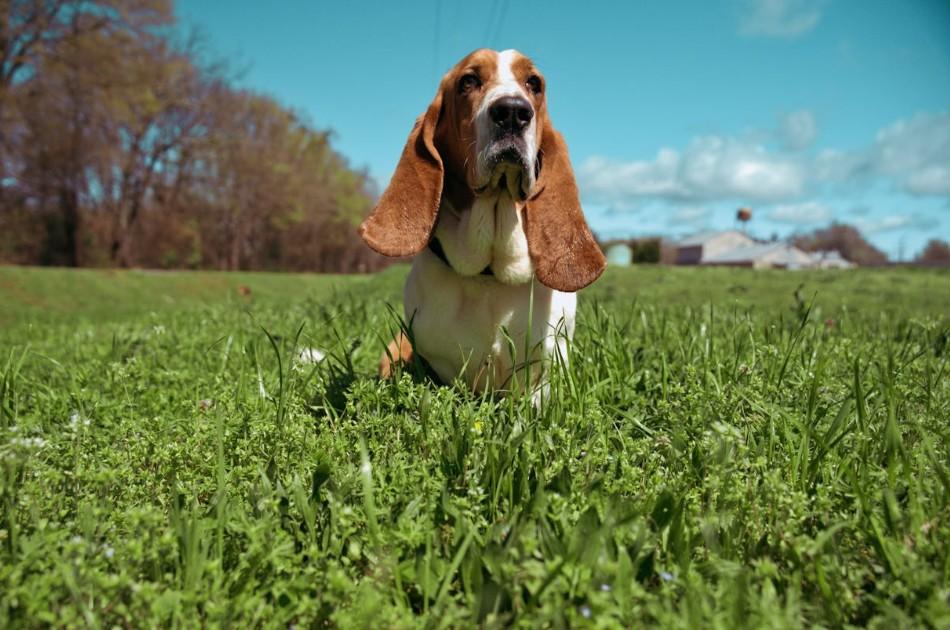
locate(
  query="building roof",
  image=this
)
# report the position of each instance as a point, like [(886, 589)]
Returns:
[(704, 237), (739, 254), (831, 258), (775, 253), (829, 255), (791, 256), (732, 247)]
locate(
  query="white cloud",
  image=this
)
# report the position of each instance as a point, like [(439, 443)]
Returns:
[(726, 168), (932, 180), (711, 168), (617, 181), (881, 224), (779, 18), (798, 130), (913, 154), (917, 153), (832, 165), (690, 215), (895, 222), (807, 213)]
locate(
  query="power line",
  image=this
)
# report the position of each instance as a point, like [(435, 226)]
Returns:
[(501, 20), (491, 21), (435, 38)]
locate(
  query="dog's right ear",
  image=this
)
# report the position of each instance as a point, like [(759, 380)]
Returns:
[(402, 222)]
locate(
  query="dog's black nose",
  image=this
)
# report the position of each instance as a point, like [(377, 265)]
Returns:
[(511, 113)]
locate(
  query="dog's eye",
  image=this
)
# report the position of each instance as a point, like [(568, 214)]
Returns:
[(534, 84), (469, 82)]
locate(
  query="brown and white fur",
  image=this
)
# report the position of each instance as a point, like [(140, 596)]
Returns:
[(485, 175)]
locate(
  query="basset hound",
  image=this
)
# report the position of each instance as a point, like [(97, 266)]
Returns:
[(484, 198)]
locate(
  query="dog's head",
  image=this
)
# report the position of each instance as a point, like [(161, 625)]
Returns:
[(488, 129)]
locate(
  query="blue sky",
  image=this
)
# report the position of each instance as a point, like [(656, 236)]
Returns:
[(676, 113)]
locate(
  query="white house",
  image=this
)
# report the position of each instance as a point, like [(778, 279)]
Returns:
[(831, 259), (735, 249), (763, 256), (697, 249)]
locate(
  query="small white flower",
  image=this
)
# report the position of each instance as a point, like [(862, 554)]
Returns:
[(311, 355), (605, 588), (108, 551), (28, 442), (586, 611), (667, 576), (76, 421)]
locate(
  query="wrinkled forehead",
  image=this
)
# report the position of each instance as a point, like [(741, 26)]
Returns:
[(494, 68)]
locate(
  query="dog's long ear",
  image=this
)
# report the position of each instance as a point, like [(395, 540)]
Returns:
[(402, 221), (565, 255)]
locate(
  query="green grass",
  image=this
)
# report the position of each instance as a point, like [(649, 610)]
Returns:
[(36, 295), (721, 452)]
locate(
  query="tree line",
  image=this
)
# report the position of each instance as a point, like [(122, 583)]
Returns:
[(846, 239), (853, 246), (121, 146)]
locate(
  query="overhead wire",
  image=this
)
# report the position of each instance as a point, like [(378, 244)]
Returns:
[(491, 20), (435, 38), (496, 33)]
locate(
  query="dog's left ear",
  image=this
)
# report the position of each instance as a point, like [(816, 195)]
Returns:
[(565, 255)]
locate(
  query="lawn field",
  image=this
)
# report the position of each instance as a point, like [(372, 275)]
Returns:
[(728, 448)]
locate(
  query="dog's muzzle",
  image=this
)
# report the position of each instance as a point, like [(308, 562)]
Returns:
[(508, 160)]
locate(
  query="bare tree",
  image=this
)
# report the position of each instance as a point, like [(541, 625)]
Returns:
[(122, 148), (846, 239), (59, 67), (935, 254)]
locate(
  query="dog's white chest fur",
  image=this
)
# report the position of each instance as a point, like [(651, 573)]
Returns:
[(476, 326)]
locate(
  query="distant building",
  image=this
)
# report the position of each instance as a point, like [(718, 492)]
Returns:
[(697, 249), (735, 249), (619, 255), (831, 259), (763, 256)]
